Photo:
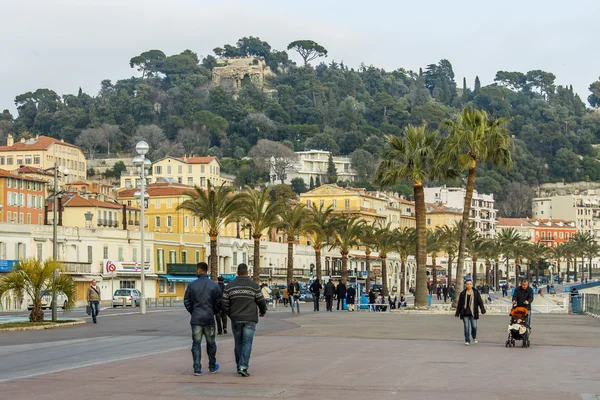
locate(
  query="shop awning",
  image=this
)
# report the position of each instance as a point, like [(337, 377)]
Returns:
[(178, 278)]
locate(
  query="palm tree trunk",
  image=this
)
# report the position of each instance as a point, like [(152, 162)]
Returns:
[(434, 271), (568, 268), (344, 268), (449, 270), (590, 267), (214, 259), (420, 216), (256, 268), (537, 272), (575, 268), (464, 230), (402, 288), (318, 263), (474, 268), (488, 265), (517, 270), (37, 314), (368, 267), (290, 261), (384, 280)]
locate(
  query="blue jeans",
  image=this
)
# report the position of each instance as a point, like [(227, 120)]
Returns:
[(95, 306), (243, 335), (316, 301), (208, 331), (473, 322), (294, 300)]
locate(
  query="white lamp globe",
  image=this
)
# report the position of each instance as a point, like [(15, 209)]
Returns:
[(142, 148)]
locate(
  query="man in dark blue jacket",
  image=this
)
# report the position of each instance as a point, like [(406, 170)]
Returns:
[(203, 301)]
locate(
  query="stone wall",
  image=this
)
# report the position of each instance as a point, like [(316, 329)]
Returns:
[(234, 70)]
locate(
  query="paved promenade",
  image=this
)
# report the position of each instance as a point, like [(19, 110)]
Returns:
[(322, 356)]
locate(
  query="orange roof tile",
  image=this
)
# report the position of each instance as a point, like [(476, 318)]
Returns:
[(157, 190), (7, 174), (197, 160), (39, 143), (78, 201), (514, 222), (34, 170)]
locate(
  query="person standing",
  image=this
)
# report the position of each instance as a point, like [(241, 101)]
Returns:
[(315, 289), (350, 295), (372, 300), (243, 301), (445, 293), (469, 304), (285, 296), (329, 292), (438, 292), (266, 292), (392, 298), (294, 294), (523, 297), (221, 317), (276, 296), (202, 300), (93, 298), (340, 292)]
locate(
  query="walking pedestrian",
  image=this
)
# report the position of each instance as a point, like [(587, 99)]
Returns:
[(340, 292), (93, 298), (329, 292), (294, 294), (315, 289), (266, 292), (438, 292), (469, 304), (221, 317), (372, 300), (275, 293), (350, 295), (243, 301), (202, 300), (445, 293), (286, 296)]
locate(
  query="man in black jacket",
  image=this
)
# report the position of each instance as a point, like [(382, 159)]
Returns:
[(221, 317), (329, 293), (241, 299), (523, 297), (340, 292), (315, 290), (203, 301)]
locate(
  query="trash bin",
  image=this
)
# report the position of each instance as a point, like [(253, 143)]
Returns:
[(364, 301), (429, 300), (576, 303), (345, 306)]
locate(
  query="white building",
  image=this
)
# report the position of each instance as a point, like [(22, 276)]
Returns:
[(483, 214), (313, 164), (584, 209)]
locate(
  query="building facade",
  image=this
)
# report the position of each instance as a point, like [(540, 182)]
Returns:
[(313, 163), (22, 199), (583, 209)]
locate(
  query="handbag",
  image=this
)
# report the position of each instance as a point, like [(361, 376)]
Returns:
[(88, 310)]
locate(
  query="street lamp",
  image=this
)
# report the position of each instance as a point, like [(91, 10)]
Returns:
[(55, 205), (142, 164)]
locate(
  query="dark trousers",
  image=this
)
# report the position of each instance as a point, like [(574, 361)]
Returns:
[(329, 300), (340, 300), (208, 332), (95, 306), (221, 318), (316, 301)]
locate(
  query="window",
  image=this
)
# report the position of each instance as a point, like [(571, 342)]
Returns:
[(169, 221), (157, 204), (19, 160), (105, 252), (120, 254), (235, 257), (40, 255), (197, 256), (157, 221), (180, 169), (201, 168), (543, 235), (134, 254), (127, 285), (157, 170), (27, 160), (160, 259), (28, 219), (428, 221), (36, 159), (9, 160), (189, 169), (186, 221), (168, 170), (147, 258), (2, 251), (169, 204), (184, 257), (190, 181), (334, 203), (171, 287), (321, 203), (161, 286), (347, 203), (90, 254), (308, 203), (2, 160), (172, 256)]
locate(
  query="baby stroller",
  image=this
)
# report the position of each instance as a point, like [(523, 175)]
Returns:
[(518, 328)]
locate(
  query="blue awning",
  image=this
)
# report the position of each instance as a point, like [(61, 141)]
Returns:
[(178, 278)]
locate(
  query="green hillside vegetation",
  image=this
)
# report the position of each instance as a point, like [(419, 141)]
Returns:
[(173, 105)]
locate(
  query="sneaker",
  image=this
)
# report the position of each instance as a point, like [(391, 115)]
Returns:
[(243, 372), (219, 333), (467, 344), (212, 371), (475, 341), (199, 373)]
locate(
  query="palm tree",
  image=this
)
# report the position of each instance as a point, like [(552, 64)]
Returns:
[(318, 229), (369, 242), (559, 253), (570, 250), (218, 206), (261, 214), (511, 243), (415, 156), (450, 237), (34, 278), (475, 138), (405, 245), (293, 223), (477, 246), (346, 236), (489, 251), (434, 245), (592, 250), (385, 240), (581, 241), (537, 253)]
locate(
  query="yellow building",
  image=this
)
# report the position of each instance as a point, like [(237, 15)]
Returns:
[(43, 152), (439, 216)]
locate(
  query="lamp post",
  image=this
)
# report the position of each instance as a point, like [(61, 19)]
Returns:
[(142, 163), (55, 206)]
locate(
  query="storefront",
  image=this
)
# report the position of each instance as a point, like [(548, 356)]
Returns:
[(127, 275)]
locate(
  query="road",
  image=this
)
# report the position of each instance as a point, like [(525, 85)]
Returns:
[(314, 355)]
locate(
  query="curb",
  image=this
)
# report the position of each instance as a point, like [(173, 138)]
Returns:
[(42, 327)]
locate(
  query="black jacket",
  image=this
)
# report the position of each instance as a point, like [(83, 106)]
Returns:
[(241, 298), (329, 289), (202, 300), (340, 290), (293, 288), (315, 288), (521, 295), (350, 293), (476, 307)]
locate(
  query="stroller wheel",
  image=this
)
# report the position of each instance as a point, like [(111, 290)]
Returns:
[(506, 344)]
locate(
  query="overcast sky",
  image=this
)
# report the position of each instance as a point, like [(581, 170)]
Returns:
[(67, 44)]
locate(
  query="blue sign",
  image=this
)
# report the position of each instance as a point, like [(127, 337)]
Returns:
[(364, 274), (7, 265), (229, 277)]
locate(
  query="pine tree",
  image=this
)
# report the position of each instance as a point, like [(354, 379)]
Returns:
[(318, 181), (331, 171), (465, 93), (312, 183), (477, 88)]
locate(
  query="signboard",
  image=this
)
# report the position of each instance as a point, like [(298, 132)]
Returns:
[(7, 265), (364, 274), (112, 267), (229, 277)]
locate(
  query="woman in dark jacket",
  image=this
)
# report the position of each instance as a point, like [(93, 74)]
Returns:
[(469, 304)]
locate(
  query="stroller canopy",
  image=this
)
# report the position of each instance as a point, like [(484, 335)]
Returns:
[(519, 312)]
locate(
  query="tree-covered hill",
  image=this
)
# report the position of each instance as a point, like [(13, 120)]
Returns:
[(172, 103)]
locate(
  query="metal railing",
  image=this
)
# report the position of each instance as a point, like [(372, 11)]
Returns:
[(77, 267), (591, 304)]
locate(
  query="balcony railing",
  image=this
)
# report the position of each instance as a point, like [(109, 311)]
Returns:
[(77, 267), (266, 271), (100, 222)]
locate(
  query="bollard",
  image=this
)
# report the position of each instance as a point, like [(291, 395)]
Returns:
[(170, 302), (155, 302), (164, 301), (124, 302)]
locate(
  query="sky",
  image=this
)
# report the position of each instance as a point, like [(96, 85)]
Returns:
[(66, 44)]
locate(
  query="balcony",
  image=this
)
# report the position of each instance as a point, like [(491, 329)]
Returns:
[(266, 271), (100, 222), (76, 267)]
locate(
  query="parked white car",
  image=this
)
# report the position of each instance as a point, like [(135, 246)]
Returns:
[(129, 295), (46, 297)]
